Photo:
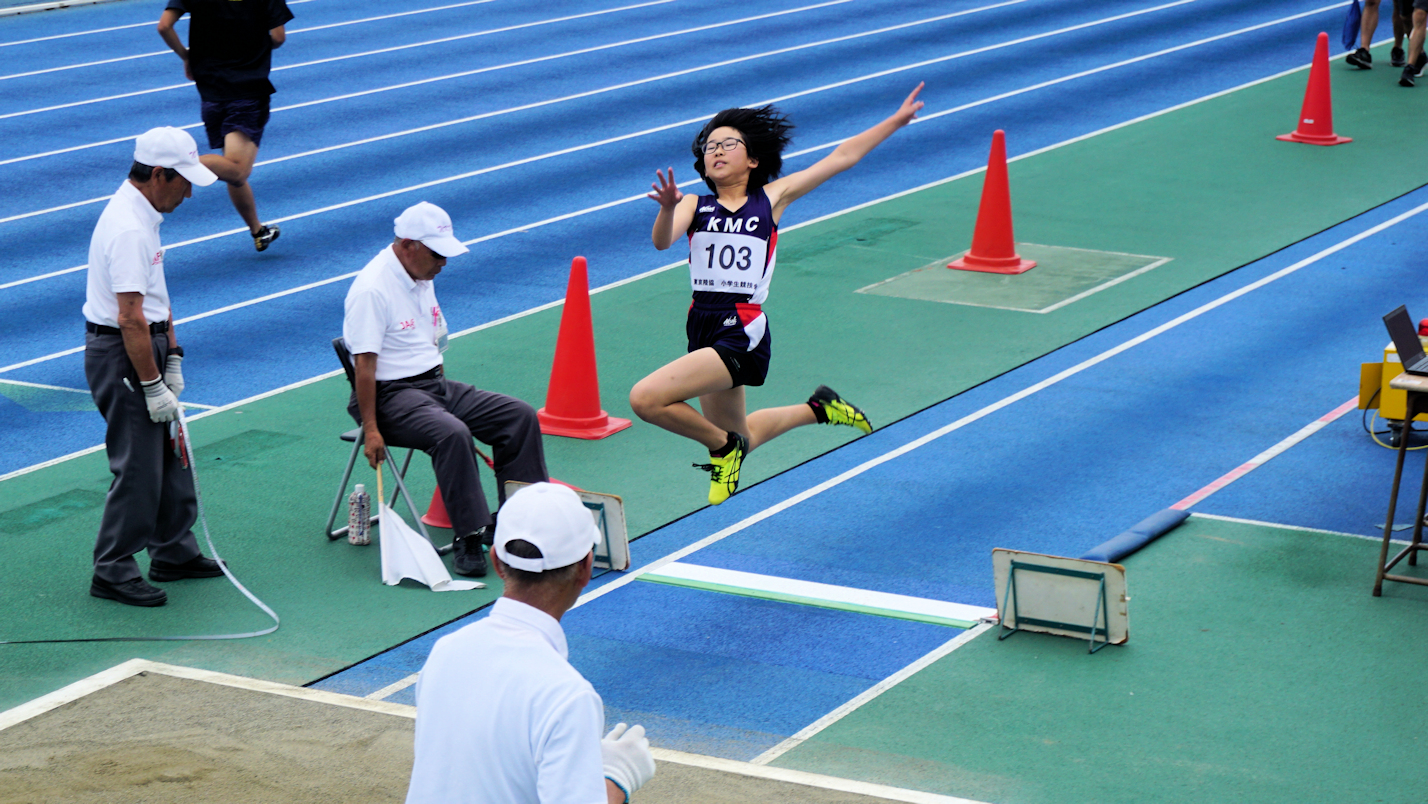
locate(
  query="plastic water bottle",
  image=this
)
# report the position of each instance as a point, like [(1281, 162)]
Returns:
[(359, 517)]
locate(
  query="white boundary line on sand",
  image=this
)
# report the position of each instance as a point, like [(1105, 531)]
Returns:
[(134, 667)]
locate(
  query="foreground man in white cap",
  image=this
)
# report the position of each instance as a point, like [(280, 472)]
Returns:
[(531, 734), (396, 333), (133, 363)]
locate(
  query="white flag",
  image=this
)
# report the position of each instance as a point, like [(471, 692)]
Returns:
[(405, 554)]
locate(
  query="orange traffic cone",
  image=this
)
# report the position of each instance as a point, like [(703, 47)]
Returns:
[(993, 247), (1316, 117), (572, 402), (435, 515)]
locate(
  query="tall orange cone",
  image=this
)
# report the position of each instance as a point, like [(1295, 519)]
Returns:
[(1316, 117), (435, 515), (993, 247), (572, 402)]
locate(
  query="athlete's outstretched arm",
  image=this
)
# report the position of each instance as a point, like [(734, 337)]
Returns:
[(784, 191), (676, 210)]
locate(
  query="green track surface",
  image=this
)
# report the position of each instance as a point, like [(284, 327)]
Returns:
[(1207, 186), (1259, 669)]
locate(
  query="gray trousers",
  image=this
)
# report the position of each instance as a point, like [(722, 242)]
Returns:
[(440, 417), (151, 503)]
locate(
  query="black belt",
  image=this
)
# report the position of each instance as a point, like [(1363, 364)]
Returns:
[(161, 328), (434, 374)]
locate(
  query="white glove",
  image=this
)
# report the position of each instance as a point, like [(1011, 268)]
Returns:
[(173, 374), (163, 405), (627, 758)]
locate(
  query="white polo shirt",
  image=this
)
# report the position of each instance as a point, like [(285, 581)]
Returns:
[(395, 317), (502, 717), (125, 256)]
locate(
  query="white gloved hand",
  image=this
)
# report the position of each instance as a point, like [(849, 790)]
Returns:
[(163, 405), (627, 758), (173, 374)]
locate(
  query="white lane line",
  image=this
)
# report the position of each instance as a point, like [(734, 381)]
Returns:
[(149, 24), (599, 143), (845, 598), (820, 219), (46, 387), (393, 49), (892, 454), (868, 695), (419, 82), (392, 689), (1300, 528)]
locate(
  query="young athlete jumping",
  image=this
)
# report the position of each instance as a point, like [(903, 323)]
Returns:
[(732, 236)]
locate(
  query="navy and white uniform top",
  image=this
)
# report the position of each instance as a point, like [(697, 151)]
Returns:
[(731, 254)]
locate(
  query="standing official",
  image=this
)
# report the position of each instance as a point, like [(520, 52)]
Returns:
[(134, 367), (396, 333), (531, 732), (229, 55)]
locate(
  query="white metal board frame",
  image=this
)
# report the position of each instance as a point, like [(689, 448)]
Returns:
[(1063, 596), (608, 511)]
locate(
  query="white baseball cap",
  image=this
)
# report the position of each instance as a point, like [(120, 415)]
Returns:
[(552, 518), (169, 147), (431, 225)]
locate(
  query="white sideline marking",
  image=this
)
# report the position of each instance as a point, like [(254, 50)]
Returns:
[(53, 5), (868, 695), (81, 33), (598, 143), (821, 591), (1282, 526), (393, 49)]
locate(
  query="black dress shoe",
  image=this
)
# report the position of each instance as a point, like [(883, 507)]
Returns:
[(199, 566), (467, 556), (133, 592)]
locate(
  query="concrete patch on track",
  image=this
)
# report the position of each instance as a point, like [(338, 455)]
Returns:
[(1062, 276)]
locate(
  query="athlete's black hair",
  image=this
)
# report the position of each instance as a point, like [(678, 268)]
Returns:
[(141, 172), (765, 131)]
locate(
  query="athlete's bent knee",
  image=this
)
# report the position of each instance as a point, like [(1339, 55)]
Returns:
[(644, 402)]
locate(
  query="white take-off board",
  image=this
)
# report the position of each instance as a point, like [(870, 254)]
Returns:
[(1056, 597), (608, 511)]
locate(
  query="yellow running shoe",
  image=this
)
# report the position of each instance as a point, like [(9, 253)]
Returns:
[(724, 469), (829, 408)]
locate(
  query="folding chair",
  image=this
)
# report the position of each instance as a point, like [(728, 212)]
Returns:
[(355, 437)]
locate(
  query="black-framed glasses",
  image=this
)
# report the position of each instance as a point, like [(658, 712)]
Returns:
[(727, 144)]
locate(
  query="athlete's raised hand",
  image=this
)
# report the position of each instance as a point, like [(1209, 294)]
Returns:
[(910, 107), (666, 191)]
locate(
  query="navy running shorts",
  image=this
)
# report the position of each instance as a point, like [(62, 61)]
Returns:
[(739, 333), (246, 116)]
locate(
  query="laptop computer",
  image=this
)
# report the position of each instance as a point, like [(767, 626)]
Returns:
[(1405, 340)]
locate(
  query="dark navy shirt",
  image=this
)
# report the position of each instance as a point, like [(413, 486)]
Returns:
[(229, 49), (731, 254)]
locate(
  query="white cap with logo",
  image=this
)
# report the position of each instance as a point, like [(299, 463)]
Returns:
[(169, 147), (552, 518), (431, 225)]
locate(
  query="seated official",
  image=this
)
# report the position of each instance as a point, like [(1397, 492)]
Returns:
[(396, 333)]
